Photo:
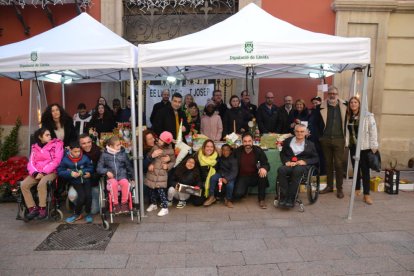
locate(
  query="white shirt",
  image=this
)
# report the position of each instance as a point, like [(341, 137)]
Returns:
[(297, 148)]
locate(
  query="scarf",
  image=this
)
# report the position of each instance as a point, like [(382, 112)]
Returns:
[(111, 150), (209, 161), (75, 159)]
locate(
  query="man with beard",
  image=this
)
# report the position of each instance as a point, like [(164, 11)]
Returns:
[(221, 107), (165, 94), (253, 168), (94, 153), (81, 119), (331, 120), (267, 115), (283, 113), (247, 105)]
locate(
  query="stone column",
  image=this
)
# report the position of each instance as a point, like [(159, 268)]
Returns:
[(111, 17)]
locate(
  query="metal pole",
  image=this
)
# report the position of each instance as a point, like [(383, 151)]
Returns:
[(362, 113), (351, 93), (140, 145), (30, 116), (62, 80), (134, 133)]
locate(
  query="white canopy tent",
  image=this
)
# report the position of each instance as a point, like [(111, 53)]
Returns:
[(253, 39), (81, 49)]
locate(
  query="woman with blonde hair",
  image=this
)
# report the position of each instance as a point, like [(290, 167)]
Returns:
[(369, 143)]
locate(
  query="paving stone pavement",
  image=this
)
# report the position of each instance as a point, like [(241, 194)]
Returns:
[(245, 240)]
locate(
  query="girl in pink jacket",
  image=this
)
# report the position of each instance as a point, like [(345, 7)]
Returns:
[(44, 159)]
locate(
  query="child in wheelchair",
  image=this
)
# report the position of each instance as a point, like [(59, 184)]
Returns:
[(45, 157), (116, 166), (77, 169), (157, 175)]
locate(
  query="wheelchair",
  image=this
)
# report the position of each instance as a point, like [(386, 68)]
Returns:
[(311, 180), (52, 202), (106, 204)]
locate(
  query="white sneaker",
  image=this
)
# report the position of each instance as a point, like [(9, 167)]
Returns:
[(170, 203), (163, 212), (152, 207)]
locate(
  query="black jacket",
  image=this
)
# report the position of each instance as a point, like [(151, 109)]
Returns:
[(165, 121), (249, 108), (309, 155), (228, 168), (103, 125), (267, 118), (283, 125), (302, 116), (240, 116), (94, 154), (259, 155), (187, 177), (157, 108), (70, 132)]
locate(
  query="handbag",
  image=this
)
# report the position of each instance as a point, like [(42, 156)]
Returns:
[(374, 161)]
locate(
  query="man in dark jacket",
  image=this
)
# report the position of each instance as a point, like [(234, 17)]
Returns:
[(221, 107), (165, 94), (247, 105), (283, 113), (169, 117), (296, 156), (267, 115), (91, 150), (253, 169)]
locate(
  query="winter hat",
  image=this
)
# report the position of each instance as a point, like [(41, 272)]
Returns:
[(210, 102), (166, 137)]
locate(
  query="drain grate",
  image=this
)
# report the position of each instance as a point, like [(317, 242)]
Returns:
[(78, 237)]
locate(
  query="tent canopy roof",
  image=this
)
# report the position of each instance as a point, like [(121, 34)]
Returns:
[(253, 38), (82, 48)]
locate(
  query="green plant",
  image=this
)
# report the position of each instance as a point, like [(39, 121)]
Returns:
[(10, 147)]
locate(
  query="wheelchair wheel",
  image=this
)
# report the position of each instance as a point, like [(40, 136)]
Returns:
[(313, 185), (56, 215), (106, 225)]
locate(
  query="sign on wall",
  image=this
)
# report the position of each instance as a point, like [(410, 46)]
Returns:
[(200, 92)]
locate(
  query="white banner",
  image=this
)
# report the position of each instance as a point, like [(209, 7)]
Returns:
[(200, 92)]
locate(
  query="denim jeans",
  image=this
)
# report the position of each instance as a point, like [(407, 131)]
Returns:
[(95, 200), (214, 182)]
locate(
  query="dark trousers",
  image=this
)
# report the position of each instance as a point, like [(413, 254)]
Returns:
[(363, 169), (289, 189), (244, 182), (333, 151), (84, 191)]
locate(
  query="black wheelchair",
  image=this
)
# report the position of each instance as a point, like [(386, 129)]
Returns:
[(106, 204), (52, 202), (311, 180)]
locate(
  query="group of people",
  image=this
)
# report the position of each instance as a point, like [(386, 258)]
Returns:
[(324, 131)]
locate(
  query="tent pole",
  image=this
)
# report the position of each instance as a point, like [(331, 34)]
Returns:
[(134, 133), (63, 92), (30, 116), (140, 145), (351, 93), (362, 113)]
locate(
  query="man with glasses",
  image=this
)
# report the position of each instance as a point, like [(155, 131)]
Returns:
[(332, 117), (297, 155), (267, 115)]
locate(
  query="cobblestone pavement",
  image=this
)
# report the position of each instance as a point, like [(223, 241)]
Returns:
[(245, 240)]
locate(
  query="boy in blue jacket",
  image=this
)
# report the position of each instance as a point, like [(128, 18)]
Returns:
[(226, 175), (77, 169)]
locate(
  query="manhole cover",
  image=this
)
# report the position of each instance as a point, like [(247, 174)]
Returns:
[(78, 237)]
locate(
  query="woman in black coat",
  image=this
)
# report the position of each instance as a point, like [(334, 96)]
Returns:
[(59, 123), (235, 118), (102, 120), (299, 115)]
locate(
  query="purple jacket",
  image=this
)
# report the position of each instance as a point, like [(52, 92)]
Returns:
[(47, 159)]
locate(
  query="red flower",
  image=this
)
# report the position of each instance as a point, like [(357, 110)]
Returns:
[(294, 159)]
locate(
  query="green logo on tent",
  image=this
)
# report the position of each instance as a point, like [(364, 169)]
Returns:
[(33, 56), (248, 47)]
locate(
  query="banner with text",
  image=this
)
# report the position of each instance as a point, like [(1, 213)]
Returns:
[(200, 92)]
